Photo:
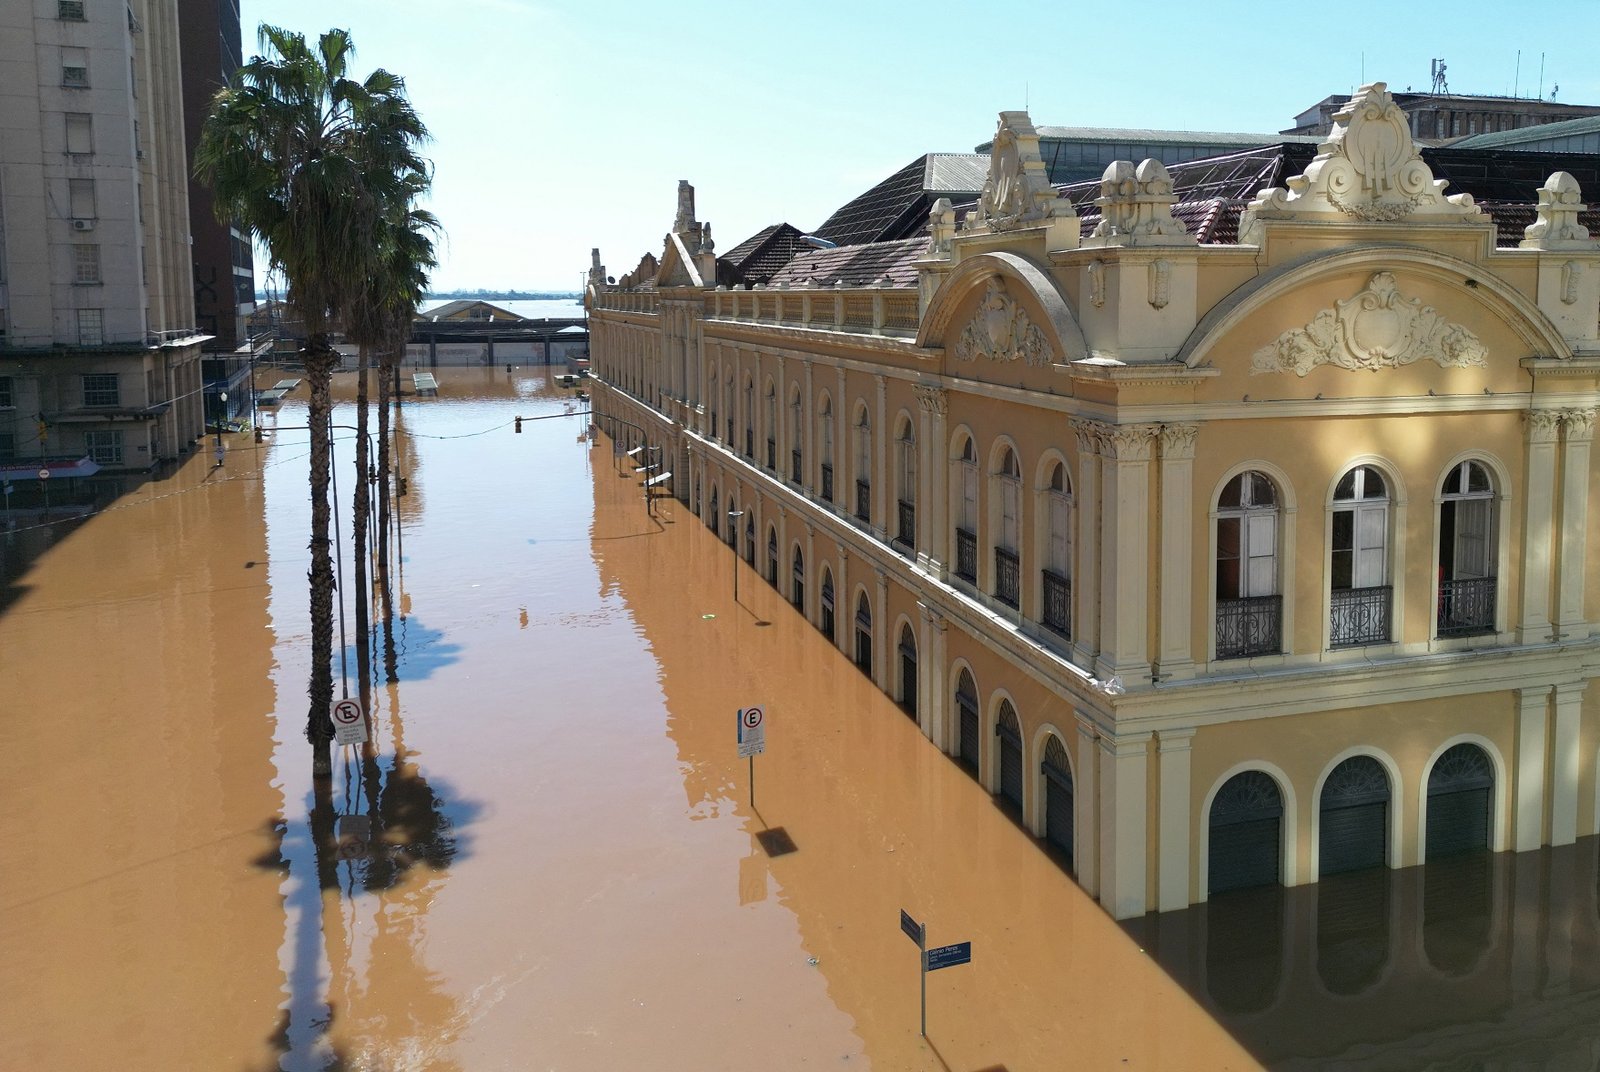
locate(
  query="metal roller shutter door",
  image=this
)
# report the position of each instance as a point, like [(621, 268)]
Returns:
[(1244, 854), (1354, 837)]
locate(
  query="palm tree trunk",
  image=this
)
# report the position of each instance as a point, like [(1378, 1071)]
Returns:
[(358, 528), (386, 361), (320, 359)]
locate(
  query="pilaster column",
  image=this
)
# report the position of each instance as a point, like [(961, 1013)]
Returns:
[(1086, 809), (933, 480), (1564, 765), (1578, 440), (1533, 625), (1086, 570), (1533, 713), (843, 606), (881, 445), (882, 656), (1177, 551), (779, 431), (1125, 565), (1172, 882), (813, 601), (1123, 823), (808, 417), (931, 689)]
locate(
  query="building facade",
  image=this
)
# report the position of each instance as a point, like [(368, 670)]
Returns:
[(1223, 562), (100, 356)]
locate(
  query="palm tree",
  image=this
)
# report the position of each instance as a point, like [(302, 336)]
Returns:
[(397, 275), (308, 160)]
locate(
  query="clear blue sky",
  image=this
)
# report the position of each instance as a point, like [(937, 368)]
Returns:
[(561, 124)]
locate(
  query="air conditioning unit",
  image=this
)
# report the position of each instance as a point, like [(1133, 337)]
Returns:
[(83, 225)]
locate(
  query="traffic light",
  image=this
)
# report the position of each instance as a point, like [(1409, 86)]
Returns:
[(400, 483), (519, 425)]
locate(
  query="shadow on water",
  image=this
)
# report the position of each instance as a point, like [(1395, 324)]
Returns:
[(1454, 965)]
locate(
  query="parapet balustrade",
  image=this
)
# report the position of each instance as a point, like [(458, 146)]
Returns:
[(868, 311), (629, 301)]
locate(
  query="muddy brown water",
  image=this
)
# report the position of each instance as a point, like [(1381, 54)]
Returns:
[(565, 870)]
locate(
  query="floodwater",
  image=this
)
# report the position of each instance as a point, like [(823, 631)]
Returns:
[(561, 866)]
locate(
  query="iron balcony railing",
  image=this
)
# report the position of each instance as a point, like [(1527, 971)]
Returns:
[(1467, 607), (827, 482), (1005, 576), (967, 555), (1057, 603), (772, 455), (1360, 616), (907, 531), (794, 465), (1250, 626), (863, 501)]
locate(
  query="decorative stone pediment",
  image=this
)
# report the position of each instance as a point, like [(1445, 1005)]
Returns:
[(597, 271), (1368, 170), (1001, 330), (941, 228), (1017, 192), (1560, 201), (642, 276), (1377, 328), (1136, 207)]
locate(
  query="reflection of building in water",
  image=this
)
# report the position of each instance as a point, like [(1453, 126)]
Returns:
[(1473, 958), (1230, 521)]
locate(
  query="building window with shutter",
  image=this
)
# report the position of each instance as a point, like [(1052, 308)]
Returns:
[(1361, 596), (75, 68), (1249, 606)]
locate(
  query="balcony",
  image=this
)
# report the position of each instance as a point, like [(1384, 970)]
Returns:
[(907, 530), (794, 466), (1250, 626), (1467, 607), (1360, 616), (1005, 576), (1057, 603), (967, 555), (863, 501), (772, 455)]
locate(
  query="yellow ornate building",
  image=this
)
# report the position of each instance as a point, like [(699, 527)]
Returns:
[(1232, 543)]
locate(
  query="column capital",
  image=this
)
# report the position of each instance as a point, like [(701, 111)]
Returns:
[(1091, 434), (933, 616), (932, 398), (1543, 425), (1177, 440), (1175, 740), (1579, 424), (1132, 442), (1123, 746)]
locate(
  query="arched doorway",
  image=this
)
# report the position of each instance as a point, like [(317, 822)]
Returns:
[(967, 711), (825, 615), (1008, 729), (1354, 816), (1057, 796), (714, 519), (1460, 791), (750, 538), (864, 635), (908, 671), (1246, 833), (772, 556), (797, 593)]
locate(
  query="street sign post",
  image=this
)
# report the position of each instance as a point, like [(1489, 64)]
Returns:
[(349, 725), (948, 956), (752, 740), (945, 956)]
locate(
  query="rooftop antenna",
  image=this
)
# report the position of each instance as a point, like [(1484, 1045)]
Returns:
[(1516, 81), (1025, 96), (1437, 68), (1541, 76)]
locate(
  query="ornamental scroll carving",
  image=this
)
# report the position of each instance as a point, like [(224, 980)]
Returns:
[(1377, 328), (1017, 191), (1002, 331)]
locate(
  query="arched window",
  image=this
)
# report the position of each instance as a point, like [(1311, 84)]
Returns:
[(749, 418), (772, 556), (967, 715), (1361, 596), (864, 635), (1008, 485), (1460, 802), (1008, 732), (750, 536), (797, 593), (1246, 833), (714, 519), (905, 476), (825, 448), (771, 426), (967, 513), (825, 612), (1056, 572), (796, 457), (1057, 773), (697, 496), (727, 397), (733, 521), (715, 395), (1354, 817), (1468, 588), (1249, 608), (908, 671), (863, 474)]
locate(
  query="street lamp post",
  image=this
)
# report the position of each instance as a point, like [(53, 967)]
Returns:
[(733, 520), (221, 416)]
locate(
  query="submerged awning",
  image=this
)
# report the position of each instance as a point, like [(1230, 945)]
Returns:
[(57, 468)]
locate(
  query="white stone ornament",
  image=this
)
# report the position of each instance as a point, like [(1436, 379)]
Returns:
[(1560, 201), (1368, 170), (1136, 207), (1002, 331), (1377, 328), (1017, 192)]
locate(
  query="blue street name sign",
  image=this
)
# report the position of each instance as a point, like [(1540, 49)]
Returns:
[(948, 956), (912, 928)]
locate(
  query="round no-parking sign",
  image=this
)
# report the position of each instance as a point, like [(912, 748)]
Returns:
[(349, 727), (752, 731)]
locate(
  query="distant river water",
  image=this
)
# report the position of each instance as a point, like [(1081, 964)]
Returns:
[(530, 308)]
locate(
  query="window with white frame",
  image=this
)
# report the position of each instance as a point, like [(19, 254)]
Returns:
[(863, 472), (85, 263), (906, 485), (1009, 480), (1056, 571), (104, 448), (1249, 608), (967, 515), (75, 68), (1467, 552), (91, 327), (100, 389), (1361, 598)]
